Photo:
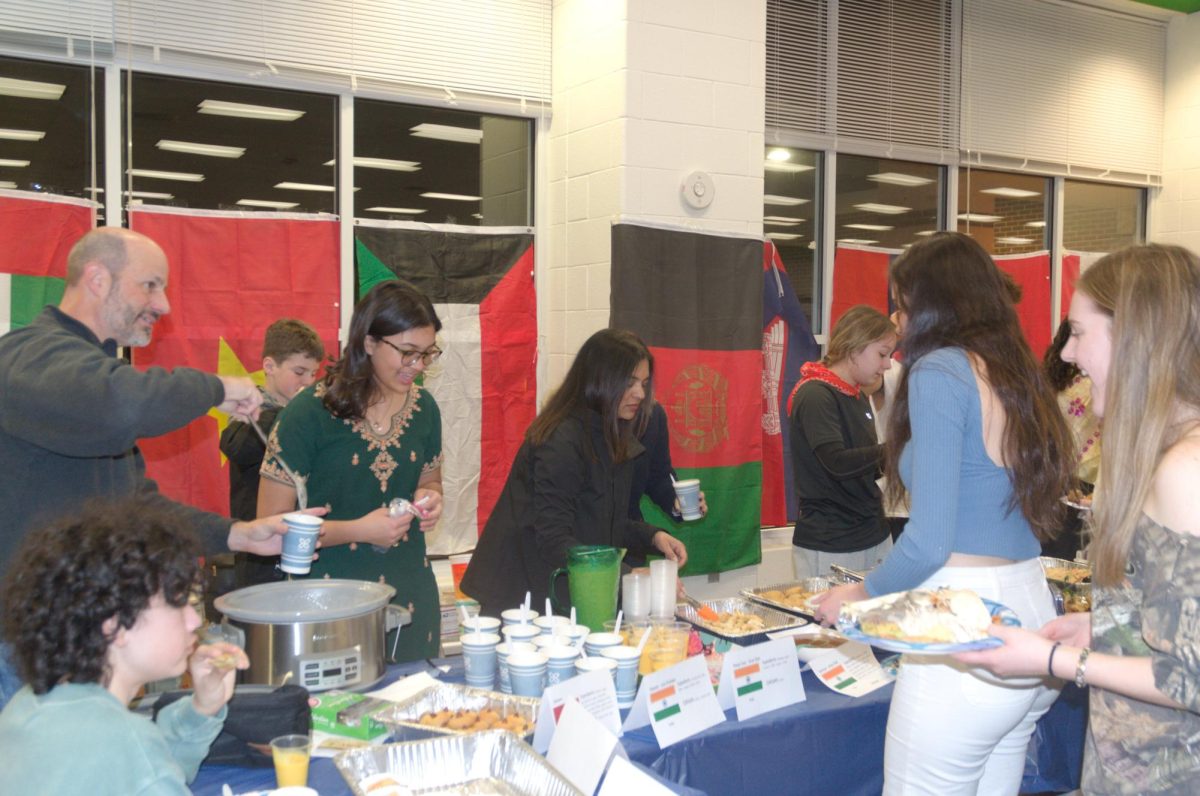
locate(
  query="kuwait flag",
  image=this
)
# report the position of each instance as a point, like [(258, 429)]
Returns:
[(232, 275), (697, 301), (480, 280), (787, 343), (38, 231)]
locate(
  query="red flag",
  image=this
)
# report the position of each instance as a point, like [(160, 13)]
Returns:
[(232, 275), (39, 230), (1032, 273), (1070, 275), (860, 276)]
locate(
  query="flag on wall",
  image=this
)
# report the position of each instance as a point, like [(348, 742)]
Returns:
[(38, 231), (1074, 264), (480, 280), (860, 276), (787, 343), (1032, 273), (696, 300), (232, 275)]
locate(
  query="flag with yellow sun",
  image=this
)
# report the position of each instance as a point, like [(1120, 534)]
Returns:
[(232, 275)]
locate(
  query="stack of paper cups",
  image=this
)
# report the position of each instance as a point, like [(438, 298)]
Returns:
[(635, 595), (664, 575)]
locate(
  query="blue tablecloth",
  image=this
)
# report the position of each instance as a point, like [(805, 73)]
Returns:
[(828, 744)]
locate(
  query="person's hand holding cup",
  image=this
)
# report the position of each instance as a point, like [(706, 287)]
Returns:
[(299, 543), (687, 497)]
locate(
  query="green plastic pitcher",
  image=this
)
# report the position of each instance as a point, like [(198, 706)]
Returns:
[(593, 576)]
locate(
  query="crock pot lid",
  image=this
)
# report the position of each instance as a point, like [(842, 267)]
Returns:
[(304, 600)]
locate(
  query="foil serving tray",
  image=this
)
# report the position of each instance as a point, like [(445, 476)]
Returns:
[(403, 718), (759, 595), (490, 763), (773, 620)]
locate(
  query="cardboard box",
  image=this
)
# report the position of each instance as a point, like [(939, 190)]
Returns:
[(348, 714)]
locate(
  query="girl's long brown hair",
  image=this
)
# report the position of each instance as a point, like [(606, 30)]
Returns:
[(955, 297), (597, 381), (1153, 387)]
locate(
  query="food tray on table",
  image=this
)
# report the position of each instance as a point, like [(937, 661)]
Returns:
[(1071, 580), (770, 619), (492, 763), (404, 719), (791, 597)]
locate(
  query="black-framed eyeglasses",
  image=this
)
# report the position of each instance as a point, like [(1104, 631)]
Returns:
[(409, 357)]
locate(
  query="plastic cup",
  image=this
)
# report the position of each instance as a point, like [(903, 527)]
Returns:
[(520, 633), (635, 595), (290, 753), (299, 543), (551, 625), (560, 663), (479, 659), (597, 642), (503, 650), (688, 493), (666, 646), (527, 673), (513, 616), (600, 664), (626, 676), (664, 577), (479, 624), (458, 567), (631, 632)]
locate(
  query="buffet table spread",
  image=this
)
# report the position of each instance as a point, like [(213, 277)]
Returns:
[(830, 742)]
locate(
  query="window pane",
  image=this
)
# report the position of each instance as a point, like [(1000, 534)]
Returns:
[(1006, 213), (1101, 218), (441, 167), (53, 133), (885, 203), (792, 181), (222, 146)]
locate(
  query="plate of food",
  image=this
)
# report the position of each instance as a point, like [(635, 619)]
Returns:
[(1077, 500), (926, 621)]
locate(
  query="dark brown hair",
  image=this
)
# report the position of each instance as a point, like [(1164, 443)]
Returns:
[(389, 308), (1060, 372), (288, 336), (597, 380), (955, 297)]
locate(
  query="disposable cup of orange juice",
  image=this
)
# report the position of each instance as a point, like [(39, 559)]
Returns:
[(666, 646), (458, 566), (290, 753)]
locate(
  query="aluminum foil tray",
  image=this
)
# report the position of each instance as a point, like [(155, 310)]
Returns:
[(402, 718), (1070, 595), (811, 585), (492, 763), (773, 620)]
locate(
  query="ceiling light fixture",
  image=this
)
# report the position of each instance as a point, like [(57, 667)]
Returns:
[(1010, 241), (781, 218), (786, 201), (152, 174), (13, 164), (897, 178), (979, 218), (410, 211), (267, 203), (7, 184), (1036, 224), (869, 227), (264, 112), (886, 210), (31, 89), (208, 150), (925, 233), (1010, 193), (22, 135), (783, 236), (787, 168), (383, 163), (304, 186), (779, 153), (149, 195), (857, 241), (791, 222), (445, 132), (454, 197)]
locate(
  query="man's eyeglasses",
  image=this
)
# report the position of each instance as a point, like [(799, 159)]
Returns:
[(409, 357)]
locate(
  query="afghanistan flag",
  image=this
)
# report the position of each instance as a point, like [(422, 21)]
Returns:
[(480, 280), (1031, 272), (787, 343), (233, 274), (38, 231), (697, 301)]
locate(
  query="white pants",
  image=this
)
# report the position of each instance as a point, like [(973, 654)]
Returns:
[(955, 730), (813, 563)]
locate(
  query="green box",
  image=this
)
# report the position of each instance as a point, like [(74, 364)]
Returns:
[(348, 714)]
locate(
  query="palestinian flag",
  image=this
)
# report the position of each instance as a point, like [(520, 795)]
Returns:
[(38, 231), (480, 280), (1032, 274), (787, 343), (233, 274), (860, 276), (697, 301)]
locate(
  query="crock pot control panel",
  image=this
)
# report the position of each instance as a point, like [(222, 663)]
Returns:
[(325, 670)]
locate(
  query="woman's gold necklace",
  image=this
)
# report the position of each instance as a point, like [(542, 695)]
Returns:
[(380, 428)]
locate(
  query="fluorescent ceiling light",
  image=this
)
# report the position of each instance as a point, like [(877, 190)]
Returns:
[(445, 132), (886, 210), (455, 197), (13, 164), (303, 186), (222, 108), (1036, 224), (786, 201), (384, 163), (267, 203), (925, 233), (857, 241), (32, 89), (22, 135), (477, 215), (7, 184), (412, 211), (1015, 241), (790, 222), (181, 176), (783, 236), (896, 178), (149, 195), (788, 168), (779, 153), (979, 218), (869, 227), (210, 150), (1011, 193), (781, 218)]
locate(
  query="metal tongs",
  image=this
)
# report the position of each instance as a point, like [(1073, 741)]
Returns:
[(847, 575), (297, 481)]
